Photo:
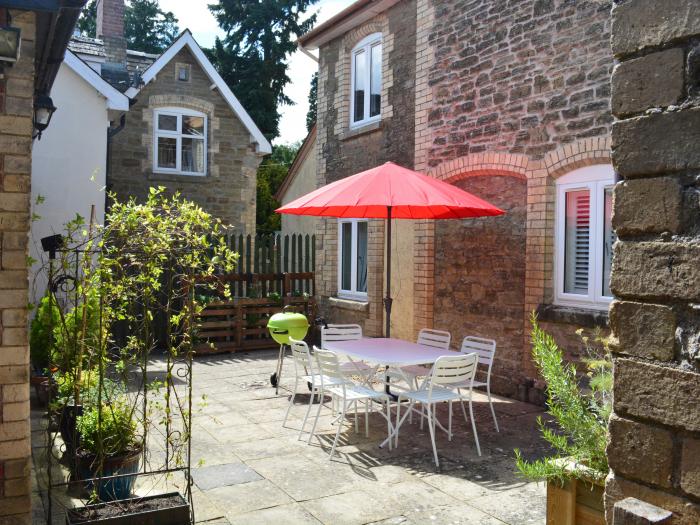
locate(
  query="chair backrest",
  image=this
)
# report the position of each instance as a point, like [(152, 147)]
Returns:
[(340, 332), (328, 364), (301, 357), (434, 338), (449, 370), (484, 348)]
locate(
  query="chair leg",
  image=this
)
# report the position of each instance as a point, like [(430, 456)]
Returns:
[(476, 437), (357, 428), (388, 422), (318, 413), (337, 433), (291, 402), (431, 427), (308, 411), (493, 412), (367, 418)]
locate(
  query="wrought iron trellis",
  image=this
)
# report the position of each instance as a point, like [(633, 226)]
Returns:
[(66, 268)]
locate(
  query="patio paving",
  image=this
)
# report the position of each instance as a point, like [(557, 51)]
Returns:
[(251, 470)]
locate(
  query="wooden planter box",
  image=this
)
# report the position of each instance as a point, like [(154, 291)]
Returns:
[(578, 502)]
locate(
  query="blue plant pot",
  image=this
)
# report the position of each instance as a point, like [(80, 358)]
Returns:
[(110, 488)]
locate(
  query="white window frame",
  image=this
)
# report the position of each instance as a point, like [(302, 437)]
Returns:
[(366, 45), (352, 294), (596, 179), (179, 113)]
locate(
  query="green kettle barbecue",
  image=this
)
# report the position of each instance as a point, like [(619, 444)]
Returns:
[(282, 326)]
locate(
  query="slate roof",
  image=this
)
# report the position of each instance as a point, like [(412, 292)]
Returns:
[(136, 61)]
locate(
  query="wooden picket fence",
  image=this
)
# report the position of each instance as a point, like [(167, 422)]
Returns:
[(273, 272)]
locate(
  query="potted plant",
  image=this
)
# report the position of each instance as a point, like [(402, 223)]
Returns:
[(575, 474), (41, 346), (170, 508), (110, 445)]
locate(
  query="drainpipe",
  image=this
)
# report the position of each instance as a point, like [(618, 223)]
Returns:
[(111, 133), (307, 52)]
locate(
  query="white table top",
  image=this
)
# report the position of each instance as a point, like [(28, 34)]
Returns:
[(391, 352)]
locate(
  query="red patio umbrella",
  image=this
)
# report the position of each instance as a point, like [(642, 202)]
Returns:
[(390, 192)]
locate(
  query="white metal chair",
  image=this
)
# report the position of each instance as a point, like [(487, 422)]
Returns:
[(485, 349), (347, 393), (304, 374), (347, 332), (439, 339), (447, 373)]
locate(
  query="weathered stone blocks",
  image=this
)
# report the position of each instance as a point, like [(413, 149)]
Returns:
[(640, 451), (643, 23), (657, 143), (657, 393), (648, 206), (644, 330), (690, 466), (631, 511), (656, 270), (651, 81)]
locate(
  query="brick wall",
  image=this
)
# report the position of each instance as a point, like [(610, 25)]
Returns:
[(654, 447), (228, 189), (515, 93), (16, 90), (342, 152), (110, 28)]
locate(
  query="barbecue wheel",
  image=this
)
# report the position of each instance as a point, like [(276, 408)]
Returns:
[(273, 379)]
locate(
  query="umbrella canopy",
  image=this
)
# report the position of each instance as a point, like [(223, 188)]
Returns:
[(390, 191)]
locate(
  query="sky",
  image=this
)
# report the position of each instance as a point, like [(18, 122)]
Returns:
[(194, 15)]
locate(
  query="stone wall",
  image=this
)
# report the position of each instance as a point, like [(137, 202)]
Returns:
[(16, 92), (509, 91), (480, 275), (343, 152), (654, 446), (228, 189)]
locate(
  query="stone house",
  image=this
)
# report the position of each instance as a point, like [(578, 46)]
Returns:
[(507, 100), (300, 180), (184, 130), (41, 31)]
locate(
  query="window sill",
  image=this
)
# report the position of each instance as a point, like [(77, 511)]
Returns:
[(582, 317), (364, 129), (177, 177), (349, 304)]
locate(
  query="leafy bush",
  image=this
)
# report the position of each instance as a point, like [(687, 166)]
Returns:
[(89, 387), (109, 430), (41, 342), (68, 335), (582, 418)]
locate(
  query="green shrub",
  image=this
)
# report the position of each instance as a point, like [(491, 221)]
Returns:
[(41, 341), (68, 335), (114, 435), (580, 440)]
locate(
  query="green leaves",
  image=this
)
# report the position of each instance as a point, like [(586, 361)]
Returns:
[(581, 418)]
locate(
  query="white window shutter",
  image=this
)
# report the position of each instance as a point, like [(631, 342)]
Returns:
[(578, 242)]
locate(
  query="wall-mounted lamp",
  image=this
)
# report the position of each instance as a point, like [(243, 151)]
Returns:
[(52, 244), (43, 111), (9, 44)]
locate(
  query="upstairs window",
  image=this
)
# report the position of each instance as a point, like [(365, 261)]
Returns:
[(366, 79), (584, 237), (352, 259), (180, 141)]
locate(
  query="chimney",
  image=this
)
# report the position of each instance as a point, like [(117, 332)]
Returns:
[(110, 28)]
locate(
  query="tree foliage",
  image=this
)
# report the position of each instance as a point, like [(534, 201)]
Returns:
[(313, 103), (252, 56), (271, 173), (579, 443), (147, 27)]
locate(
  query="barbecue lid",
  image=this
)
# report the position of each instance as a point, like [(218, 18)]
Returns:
[(287, 320)]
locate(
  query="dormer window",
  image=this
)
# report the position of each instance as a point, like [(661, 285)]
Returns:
[(366, 68), (180, 141)]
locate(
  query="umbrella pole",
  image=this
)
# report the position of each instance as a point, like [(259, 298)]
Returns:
[(388, 300)]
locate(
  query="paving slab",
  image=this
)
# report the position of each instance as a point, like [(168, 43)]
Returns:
[(247, 497), (223, 475), (292, 514)]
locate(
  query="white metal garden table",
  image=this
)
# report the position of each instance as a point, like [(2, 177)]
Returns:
[(389, 352)]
